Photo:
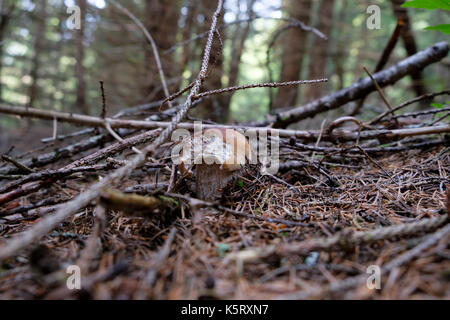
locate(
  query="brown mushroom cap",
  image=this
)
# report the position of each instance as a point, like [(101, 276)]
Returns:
[(227, 147)]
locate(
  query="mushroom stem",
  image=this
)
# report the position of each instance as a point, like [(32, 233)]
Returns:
[(209, 179)]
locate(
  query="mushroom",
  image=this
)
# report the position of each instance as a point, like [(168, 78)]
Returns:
[(218, 156)]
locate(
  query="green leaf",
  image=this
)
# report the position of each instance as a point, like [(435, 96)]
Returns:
[(437, 105), (427, 4), (240, 183), (444, 28)]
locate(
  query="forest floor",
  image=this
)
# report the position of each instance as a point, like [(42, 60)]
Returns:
[(211, 254)]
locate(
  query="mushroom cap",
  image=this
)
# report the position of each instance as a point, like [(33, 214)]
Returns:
[(227, 147)]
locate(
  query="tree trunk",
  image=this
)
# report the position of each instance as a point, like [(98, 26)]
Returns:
[(60, 29), (409, 42), (319, 51), (213, 108), (81, 83), (293, 52), (38, 41), (237, 47), (5, 17), (339, 57), (188, 29), (162, 23)]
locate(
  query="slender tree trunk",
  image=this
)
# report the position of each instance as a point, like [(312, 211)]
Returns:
[(409, 42), (339, 58), (162, 23), (41, 24), (238, 45), (319, 51), (5, 17), (213, 108), (81, 102), (358, 71), (58, 49), (293, 52), (189, 25)]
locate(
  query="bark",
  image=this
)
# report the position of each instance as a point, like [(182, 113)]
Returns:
[(409, 42), (339, 58), (93, 142), (364, 86), (59, 48), (38, 45), (319, 51), (213, 108), (81, 102), (189, 25), (162, 23), (238, 45), (358, 71), (293, 52), (5, 17)]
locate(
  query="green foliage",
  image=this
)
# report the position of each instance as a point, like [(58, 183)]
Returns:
[(444, 28), (431, 5), (428, 4), (440, 106), (437, 105)]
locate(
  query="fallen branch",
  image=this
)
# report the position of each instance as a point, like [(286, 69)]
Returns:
[(421, 113), (349, 239), (364, 86), (352, 282), (60, 153), (354, 149), (17, 164), (51, 174), (341, 134), (409, 102), (27, 209), (134, 204)]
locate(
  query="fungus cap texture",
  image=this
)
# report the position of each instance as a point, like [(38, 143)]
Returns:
[(225, 147)]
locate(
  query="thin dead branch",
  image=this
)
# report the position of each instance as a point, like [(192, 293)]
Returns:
[(364, 86)]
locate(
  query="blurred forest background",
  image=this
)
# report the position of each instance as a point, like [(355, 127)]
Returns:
[(44, 64)]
